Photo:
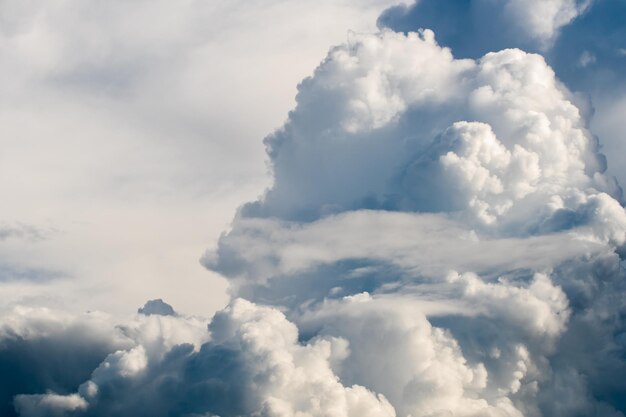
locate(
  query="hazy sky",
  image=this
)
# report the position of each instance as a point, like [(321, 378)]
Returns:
[(131, 131)]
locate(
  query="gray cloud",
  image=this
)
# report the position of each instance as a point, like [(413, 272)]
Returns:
[(43, 350), (158, 307), (16, 271), (24, 232)]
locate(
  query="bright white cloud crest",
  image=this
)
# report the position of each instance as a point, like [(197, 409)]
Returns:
[(440, 240)]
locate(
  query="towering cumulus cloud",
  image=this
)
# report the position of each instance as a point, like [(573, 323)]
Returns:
[(440, 240), (451, 222)]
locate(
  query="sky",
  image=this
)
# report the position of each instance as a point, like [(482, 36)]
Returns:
[(131, 132), (280, 208)]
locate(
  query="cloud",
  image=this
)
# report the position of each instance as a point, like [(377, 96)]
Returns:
[(158, 307), (14, 270), (469, 193), (42, 350), (23, 231), (492, 140), (49, 404), (441, 239), (424, 370), (290, 263), (581, 40), (252, 363), (474, 27), (16, 273)]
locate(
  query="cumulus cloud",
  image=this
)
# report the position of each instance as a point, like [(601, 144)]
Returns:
[(469, 193), (440, 239), (581, 40), (57, 353), (494, 139), (251, 364)]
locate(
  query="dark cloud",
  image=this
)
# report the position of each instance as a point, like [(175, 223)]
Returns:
[(42, 351), (158, 307)]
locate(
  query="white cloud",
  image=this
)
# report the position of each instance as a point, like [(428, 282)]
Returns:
[(497, 140), (49, 404), (581, 40), (541, 20)]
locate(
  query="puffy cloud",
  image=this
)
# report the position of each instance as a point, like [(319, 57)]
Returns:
[(471, 201), (582, 40), (423, 371), (253, 364), (395, 122)]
